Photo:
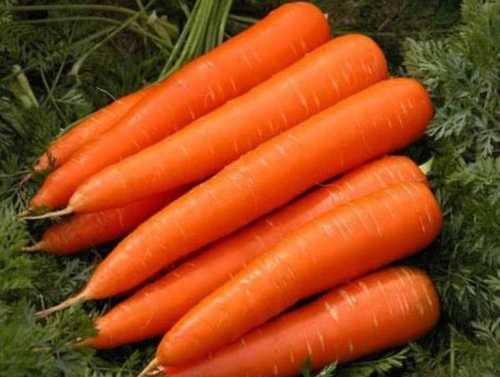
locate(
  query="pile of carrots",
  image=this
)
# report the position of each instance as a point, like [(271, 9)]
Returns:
[(228, 168)]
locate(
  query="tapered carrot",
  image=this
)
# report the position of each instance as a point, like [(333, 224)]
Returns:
[(88, 130), (380, 311), (345, 243), (330, 73), (229, 70), (83, 231), (155, 308), (383, 118)]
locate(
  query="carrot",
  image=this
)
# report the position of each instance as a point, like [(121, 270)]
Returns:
[(345, 243), (88, 130), (334, 71), (155, 308), (229, 70), (380, 311), (83, 231), (383, 118)]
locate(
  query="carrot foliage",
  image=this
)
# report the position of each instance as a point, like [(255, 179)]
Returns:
[(73, 60)]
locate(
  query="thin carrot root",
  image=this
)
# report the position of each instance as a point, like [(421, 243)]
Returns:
[(36, 247), (151, 370), (21, 215), (25, 179), (66, 211), (63, 305)]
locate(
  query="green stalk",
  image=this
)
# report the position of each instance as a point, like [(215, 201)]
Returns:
[(225, 15), (21, 89), (178, 45), (211, 36), (195, 40), (203, 30), (174, 61)]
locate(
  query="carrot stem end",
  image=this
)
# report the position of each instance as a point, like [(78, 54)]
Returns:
[(66, 211), (150, 369), (63, 305)]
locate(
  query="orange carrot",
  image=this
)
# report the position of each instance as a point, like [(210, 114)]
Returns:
[(345, 243), (155, 308), (334, 71), (383, 118), (83, 231), (229, 70), (88, 130), (383, 310)]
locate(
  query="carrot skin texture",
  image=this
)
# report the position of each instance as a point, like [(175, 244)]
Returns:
[(343, 244), (380, 311), (88, 130), (332, 72), (83, 231), (275, 42), (160, 304), (381, 119)]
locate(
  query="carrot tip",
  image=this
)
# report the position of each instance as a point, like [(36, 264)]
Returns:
[(151, 370), (23, 214), (36, 247), (63, 305), (25, 179), (62, 212)]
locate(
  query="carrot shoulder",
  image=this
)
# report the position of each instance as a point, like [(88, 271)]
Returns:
[(154, 309), (229, 70), (333, 71), (345, 243), (88, 130), (383, 118), (380, 311), (86, 230)]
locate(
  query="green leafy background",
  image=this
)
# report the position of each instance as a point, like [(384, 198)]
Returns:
[(58, 64)]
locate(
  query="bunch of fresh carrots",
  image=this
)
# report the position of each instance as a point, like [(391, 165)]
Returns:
[(261, 121)]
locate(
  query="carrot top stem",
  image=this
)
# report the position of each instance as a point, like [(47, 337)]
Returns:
[(78, 299), (151, 369), (426, 167), (65, 211)]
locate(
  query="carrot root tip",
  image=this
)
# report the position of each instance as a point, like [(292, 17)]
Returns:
[(151, 370), (36, 247), (62, 212), (21, 215), (25, 179), (63, 305)]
